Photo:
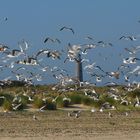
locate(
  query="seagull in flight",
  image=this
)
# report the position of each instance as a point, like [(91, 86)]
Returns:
[(13, 53), (132, 38), (133, 50), (89, 38), (52, 40), (67, 28), (5, 18), (130, 60), (3, 48)]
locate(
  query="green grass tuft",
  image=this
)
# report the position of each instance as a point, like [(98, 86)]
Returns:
[(7, 105)]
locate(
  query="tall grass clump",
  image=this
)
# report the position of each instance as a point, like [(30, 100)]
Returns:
[(38, 102), (24, 99), (110, 100), (2, 98), (76, 98), (7, 105), (50, 105), (134, 93), (8, 96), (87, 101), (63, 102)]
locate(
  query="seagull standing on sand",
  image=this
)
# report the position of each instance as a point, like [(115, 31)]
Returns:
[(34, 117), (110, 115)]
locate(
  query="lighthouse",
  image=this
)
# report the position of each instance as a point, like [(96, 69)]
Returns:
[(79, 70)]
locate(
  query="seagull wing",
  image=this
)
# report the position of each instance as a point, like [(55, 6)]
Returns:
[(62, 28)]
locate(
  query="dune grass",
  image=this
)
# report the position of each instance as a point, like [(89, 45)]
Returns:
[(65, 99)]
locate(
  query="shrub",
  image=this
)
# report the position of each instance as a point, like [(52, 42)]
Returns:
[(8, 96), (76, 98), (135, 93), (87, 101), (50, 105), (1, 101), (7, 105), (24, 99), (59, 102), (38, 102), (98, 103)]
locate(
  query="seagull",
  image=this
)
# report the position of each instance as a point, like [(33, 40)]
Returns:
[(90, 66), (2, 97), (42, 51), (17, 106), (47, 39), (67, 28), (34, 117), (52, 40), (5, 18), (115, 74), (101, 109), (69, 114), (75, 113), (42, 108), (73, 52), (126, 78), (89, 38), (122, 66), (111, 84), (23, 45), (88, 46), (104, 44), (126, 114), (132, 38), (54, 54), (124, 102), (3, 48), (133, 50), (110, 115), (93, 110), (135, 70), (46, 68), (28, 61), (137, 103), (130, 60), (20, 68), (13, 53)]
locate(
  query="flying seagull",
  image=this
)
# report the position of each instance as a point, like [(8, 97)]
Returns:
[(13, 53), (132, 38), (5, 18), (89, 38), (52, 40), (67, 28), (3, 48)]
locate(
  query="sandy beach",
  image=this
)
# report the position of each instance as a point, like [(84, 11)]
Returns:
[(55, 125)]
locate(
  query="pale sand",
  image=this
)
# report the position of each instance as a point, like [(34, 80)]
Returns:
[(56, 125), (63, 137)]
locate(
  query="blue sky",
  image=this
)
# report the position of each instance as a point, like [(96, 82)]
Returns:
[(107, 20)]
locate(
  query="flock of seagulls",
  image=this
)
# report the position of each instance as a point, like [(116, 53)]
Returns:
[(19, 58), (35, 68)]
